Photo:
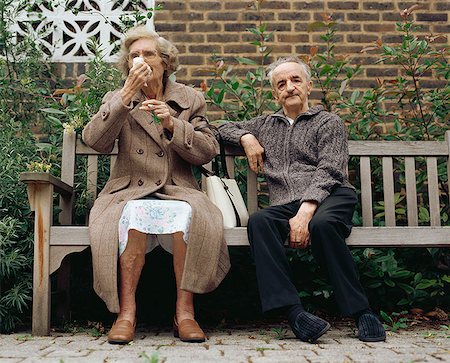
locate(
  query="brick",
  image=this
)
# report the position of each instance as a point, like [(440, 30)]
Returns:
[(391, 39), (300, 27), (187, 16), (239, 48), (191, 60), (237, 5), (347, 5), (363, 59), (188, 38), (379, 27), (443, 29), (302, 49), (170, 27), (309, 5), (203, 48), (279, 27), (347, 49), (206, 5), (378, 5), (276, 5), (254, 16), (348, 27), (431, 17), (442, 6), (240, 27), (363, 16), (338, 37), (172, 5), (227, 16), (381, 72), (205, 27), (430, 83), (223, 38), (406, 5), (292, 38), (334, 15), (294, 16), (361, 38), (362, 83), (391, 16)]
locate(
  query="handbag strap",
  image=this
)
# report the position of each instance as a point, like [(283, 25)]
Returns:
[(216, 133)]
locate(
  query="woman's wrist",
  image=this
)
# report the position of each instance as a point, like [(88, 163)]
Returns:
[(126, 96)]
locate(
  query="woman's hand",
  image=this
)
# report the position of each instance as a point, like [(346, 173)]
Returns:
[(137, 77), (160, 110), (254, 152)]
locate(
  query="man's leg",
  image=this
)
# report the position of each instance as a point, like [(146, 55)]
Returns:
[(329, 227), (267, 231)]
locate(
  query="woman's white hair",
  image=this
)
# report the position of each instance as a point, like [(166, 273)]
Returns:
[(290, 59), (167, 51)]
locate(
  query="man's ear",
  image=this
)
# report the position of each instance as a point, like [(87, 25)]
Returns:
[(275, 94), (310, 84)]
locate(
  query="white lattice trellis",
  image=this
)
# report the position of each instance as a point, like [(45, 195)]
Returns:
[(64, 29)]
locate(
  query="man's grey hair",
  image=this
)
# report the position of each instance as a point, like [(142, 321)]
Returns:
[(289, 59)]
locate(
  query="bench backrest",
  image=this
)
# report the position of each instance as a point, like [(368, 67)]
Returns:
[(399, 160)]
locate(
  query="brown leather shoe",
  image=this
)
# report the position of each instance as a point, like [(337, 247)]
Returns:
[(188, 331), (122, 332)]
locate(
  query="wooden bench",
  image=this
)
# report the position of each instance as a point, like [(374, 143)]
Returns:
[(53, 242)]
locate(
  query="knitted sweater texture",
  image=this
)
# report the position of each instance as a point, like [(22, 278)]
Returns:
[(304, 161)]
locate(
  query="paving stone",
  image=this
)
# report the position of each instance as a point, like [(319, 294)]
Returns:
[(247, 345)]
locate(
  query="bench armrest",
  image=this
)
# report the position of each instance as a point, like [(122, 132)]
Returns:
[(46, 178)]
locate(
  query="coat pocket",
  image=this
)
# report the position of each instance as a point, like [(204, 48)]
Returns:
[(115, 185)]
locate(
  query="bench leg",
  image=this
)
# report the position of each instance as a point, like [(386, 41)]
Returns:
[(42, 197)]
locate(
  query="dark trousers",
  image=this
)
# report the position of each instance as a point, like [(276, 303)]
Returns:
[(268, 230)]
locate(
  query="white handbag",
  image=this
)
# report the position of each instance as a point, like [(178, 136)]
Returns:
[(225, 194)]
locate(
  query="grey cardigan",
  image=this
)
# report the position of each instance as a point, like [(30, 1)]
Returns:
[(303, 161)]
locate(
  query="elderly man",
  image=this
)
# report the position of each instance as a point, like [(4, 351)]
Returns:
[(303, 152)]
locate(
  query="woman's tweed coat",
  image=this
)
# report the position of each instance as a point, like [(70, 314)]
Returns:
[(150, 162)]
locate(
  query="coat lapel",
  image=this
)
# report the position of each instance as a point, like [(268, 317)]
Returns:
[(175, 96)]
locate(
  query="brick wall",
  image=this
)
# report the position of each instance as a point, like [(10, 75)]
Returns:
[(202, 27), (199, 28)]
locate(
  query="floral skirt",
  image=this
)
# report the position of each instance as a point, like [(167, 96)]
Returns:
[(157, 218)]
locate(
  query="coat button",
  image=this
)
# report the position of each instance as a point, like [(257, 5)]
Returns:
[(140, 151), (140, 182), (158, 182), (160, 153)]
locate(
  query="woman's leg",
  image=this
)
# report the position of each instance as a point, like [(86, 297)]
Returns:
[(185, 326), (130, 266), (185, 299)]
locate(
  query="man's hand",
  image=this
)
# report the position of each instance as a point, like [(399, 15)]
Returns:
[(254, 152), (299, 234)]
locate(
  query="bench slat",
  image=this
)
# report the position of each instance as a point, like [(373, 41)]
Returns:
[(411, 191), (230, 166), (92, 175), (252, 192), (433, 191), (398, 148), (447, 139), (366, 191), (360, 236), (388, 191)]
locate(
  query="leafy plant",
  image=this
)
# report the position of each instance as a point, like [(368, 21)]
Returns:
[(394, 322)]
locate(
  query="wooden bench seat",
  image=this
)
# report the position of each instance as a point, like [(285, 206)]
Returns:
[(54, 242)]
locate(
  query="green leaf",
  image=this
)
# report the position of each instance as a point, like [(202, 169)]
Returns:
[(52, 111), (354, 96), (248, 61)]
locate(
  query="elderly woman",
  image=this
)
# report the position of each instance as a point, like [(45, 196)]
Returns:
[(152, 196)]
